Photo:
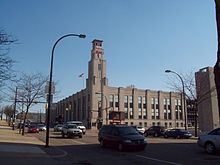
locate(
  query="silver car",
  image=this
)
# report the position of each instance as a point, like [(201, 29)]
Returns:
[(211, 141)]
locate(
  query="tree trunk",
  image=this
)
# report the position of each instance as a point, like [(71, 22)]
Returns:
[(25, 117), (217, 65)]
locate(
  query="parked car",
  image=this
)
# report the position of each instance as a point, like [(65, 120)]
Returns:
[(155, 131), (71, 130), (42, 127), (211, 141), (33, 129), (79, 125), (121, 136), (140, 129), (177, 133), (58, 128)]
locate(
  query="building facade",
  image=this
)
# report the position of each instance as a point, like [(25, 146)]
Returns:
[(96, 102), (208, 114)]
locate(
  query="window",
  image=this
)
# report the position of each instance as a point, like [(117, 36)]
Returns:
[(178, 109), (167, 112), (131, 113), (144, 102), (126, 113), (145, 124), (165, 125), (116, 102), (139, 102), (131, 101), (99, 66), (111, 100), (144, 113), (170, 125), (155, 114), (126, 101), (139, 113)]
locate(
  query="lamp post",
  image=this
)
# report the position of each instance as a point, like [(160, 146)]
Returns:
[(184, 98), (50, 82), (106, 106)]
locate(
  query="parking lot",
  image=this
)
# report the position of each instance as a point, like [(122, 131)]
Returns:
[(158, 151)]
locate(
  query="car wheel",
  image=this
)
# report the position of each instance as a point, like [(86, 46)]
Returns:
[(63, 135), (210, 148), (102, 144), (165, 136), (155, 135), (80, 136), (120, 147), (178, 137)]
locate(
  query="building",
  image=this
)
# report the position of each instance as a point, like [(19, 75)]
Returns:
[(95, 103), (208, 114)]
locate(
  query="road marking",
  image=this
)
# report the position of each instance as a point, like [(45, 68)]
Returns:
[(158, 160)]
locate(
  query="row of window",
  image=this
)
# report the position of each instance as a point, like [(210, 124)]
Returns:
[(142, 107), (166, 124)]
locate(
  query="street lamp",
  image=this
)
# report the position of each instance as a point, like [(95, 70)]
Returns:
[(106, 106), (50, 82), (184, 98)]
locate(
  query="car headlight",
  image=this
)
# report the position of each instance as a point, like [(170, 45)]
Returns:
[(127, 141)]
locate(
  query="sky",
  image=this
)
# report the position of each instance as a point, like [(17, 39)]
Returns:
[(141, 39)]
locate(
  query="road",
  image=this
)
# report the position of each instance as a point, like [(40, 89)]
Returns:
[(158, 151)]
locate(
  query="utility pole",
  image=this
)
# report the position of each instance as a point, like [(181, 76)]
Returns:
[(13, 124)]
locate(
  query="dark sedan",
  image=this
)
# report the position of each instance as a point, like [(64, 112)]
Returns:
[(177, 133)]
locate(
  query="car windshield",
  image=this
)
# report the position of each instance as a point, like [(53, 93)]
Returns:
[(72, 126), (127, 131)]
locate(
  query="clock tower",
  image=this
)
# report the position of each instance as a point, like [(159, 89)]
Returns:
[(96, 83)]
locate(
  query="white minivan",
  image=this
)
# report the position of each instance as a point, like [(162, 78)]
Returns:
[(79, 125)]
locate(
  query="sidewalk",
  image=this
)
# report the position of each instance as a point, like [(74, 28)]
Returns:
[(13, 142)]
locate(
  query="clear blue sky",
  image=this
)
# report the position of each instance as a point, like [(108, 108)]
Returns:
[(142, 38)]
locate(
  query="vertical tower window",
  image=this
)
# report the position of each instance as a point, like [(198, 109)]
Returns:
[(116, 102), (111, 101), (155, 108), (131, 107), (126, 106), (140, 107)]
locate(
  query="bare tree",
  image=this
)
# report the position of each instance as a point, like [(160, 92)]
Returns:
[(6, 63), (31, 90), (192, 88), (196, 92)]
